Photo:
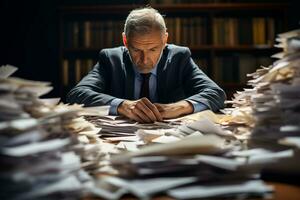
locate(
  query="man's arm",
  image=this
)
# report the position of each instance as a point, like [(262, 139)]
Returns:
[(201, 89), (174, 110), (201, 92), (95, 88), (91, 90)]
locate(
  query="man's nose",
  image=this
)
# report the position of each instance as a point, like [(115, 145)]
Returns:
[(144, 57)]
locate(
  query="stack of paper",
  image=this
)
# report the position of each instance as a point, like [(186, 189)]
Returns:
[(277, 109), (191, 154), (269, 113), (120, 127), (202, 164), (14, 94), (35, 165), (203, 126), (40, 156), (130, 136), (276, 102)]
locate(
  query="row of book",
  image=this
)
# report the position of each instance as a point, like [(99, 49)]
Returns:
[(245, 31), (93, 34), (192, 31), (187, 31), (73, 70), (234, 68), (108, 33)]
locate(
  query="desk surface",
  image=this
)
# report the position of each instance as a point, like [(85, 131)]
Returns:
[(283, 191)]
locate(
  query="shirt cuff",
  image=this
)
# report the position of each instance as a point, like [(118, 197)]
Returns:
[(114, 104), (197, 106)]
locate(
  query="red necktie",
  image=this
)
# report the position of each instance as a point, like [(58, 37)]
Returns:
[(145, 86)]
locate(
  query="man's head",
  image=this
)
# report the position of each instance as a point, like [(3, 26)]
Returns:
[(145, 37)]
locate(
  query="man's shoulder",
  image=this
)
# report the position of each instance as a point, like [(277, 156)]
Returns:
[(177, 50), (115, 51)]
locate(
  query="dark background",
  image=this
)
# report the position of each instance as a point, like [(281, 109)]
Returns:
[(29, 36)]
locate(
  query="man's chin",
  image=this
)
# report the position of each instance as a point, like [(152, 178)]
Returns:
[(144, 69)]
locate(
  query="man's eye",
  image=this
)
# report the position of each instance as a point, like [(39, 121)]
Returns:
[(152, 49)]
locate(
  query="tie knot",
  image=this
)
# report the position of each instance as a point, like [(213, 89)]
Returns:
[(146, 76)]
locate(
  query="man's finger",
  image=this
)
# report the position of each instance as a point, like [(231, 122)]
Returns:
[(141, 115), (153, 108), (136, 117), (147, 111)]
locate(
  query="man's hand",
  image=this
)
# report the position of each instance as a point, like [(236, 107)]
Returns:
[(141, 110), (174, 110)]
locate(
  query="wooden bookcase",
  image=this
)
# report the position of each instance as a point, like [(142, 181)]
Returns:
[(227, 40)]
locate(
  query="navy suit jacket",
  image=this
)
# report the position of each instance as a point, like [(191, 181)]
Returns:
[(178, 78)]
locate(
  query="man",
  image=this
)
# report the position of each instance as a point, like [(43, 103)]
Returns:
[(148, 80)]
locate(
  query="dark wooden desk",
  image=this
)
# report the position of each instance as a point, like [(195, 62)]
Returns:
[(285, 191)]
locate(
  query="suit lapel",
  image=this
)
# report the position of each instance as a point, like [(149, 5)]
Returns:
[(161, 77), (129, 76)]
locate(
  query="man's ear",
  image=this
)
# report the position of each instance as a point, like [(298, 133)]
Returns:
[(124, 40), (166, 38)]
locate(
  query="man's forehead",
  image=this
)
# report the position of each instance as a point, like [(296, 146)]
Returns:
[(148, 45), (145, 41)]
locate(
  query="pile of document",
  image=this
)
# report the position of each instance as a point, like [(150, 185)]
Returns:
[(196, 155), (116, 126), (41, 156), (199, 157), (276, 106), (268, 115), (276, 103), (140, 135), (204, 165)]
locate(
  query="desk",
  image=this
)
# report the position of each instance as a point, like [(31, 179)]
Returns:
[(283, 191)]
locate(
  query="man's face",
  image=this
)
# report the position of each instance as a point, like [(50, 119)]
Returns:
[(145, 50)]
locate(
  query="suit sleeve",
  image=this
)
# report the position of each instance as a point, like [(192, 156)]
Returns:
[(199, 87), (92, 89)]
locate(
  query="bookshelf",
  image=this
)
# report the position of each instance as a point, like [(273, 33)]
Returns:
[(227, 40)]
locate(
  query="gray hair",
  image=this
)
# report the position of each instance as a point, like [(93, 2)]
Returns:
[(143, 21)]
